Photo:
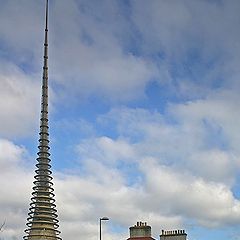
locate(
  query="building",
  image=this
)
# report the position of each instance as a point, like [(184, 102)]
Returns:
[(142, 231), (42, 222), (173, 235)]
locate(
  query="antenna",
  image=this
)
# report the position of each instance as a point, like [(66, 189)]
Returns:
[(42, 221)]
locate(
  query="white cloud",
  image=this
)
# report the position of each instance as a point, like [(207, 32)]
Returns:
[(168, 169), (215, 165), (177, 192), (100, 188), (102, 72), (20, 96), (219, 110), (197, 136), (200, 176), (9, 154), (15, 188), (106, 149)]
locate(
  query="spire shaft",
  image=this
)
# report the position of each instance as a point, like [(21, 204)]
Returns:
[(44, 142), (42, 221)]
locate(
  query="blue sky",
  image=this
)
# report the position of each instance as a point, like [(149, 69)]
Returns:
[(143, 114)]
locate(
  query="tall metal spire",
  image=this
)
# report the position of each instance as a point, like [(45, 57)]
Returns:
[(42, 222)]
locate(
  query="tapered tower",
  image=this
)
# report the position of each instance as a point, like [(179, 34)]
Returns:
[(42, 222)]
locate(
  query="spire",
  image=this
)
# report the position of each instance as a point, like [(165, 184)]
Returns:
[(42, 222)]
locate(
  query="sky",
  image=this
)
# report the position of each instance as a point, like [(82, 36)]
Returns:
[(144, 109)]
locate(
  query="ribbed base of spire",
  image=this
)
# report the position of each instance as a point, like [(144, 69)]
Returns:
[(42, 231), (42, 222)]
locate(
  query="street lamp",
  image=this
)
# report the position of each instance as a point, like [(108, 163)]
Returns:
[(100, 226)]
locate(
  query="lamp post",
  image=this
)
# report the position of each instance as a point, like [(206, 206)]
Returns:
[(100, 226)]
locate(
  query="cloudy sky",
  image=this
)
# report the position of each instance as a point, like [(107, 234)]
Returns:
[(144, 114)]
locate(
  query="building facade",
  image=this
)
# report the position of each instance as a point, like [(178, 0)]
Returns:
[(173, 235), (142, 231)]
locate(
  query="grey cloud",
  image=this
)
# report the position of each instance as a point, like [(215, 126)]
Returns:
[(88, 45), (176, 27), (20, 26), (196, 40)]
